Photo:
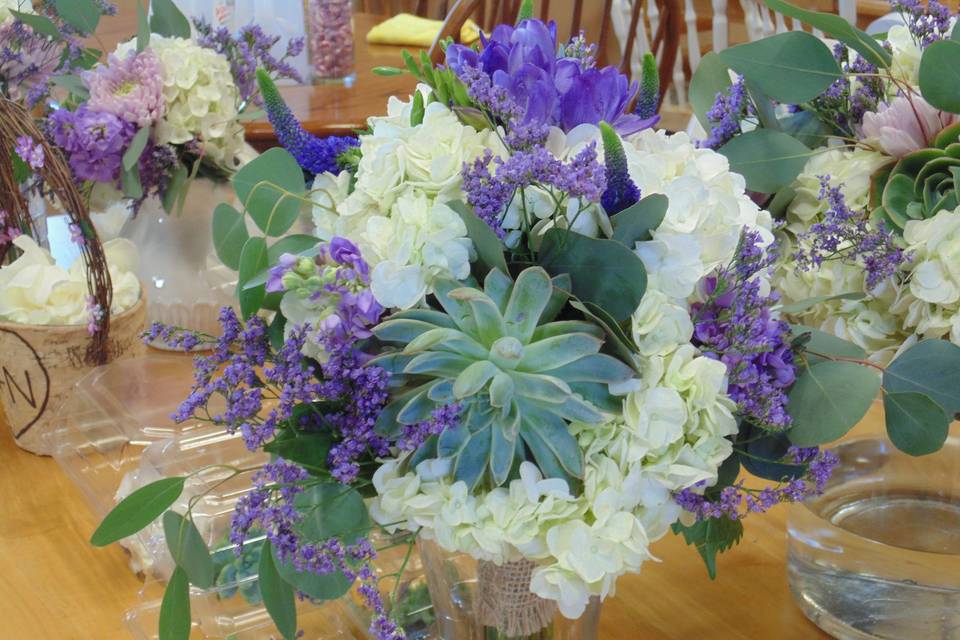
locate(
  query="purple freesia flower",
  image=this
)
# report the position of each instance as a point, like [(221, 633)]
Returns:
[(547, 83)]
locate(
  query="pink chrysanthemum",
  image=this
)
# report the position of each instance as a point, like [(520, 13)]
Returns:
[(130, 88)]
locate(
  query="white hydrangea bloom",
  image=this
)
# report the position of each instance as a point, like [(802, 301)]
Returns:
[(905, 65), (201, 98)]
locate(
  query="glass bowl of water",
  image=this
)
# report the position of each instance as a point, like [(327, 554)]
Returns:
[(877, 556)]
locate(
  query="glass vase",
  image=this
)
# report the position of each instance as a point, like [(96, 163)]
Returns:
[(330, 39), (185, 282), (878, 554), (479, 600)]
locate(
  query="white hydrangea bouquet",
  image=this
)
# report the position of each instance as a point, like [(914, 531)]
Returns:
[(860, 168), (529, 329)]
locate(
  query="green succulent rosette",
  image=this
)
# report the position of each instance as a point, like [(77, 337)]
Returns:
[(920, 184), (518, 374)]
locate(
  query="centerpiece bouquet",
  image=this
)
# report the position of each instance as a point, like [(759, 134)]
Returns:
[(529, 330)]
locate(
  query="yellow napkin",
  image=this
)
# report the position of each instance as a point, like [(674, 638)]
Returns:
[(405, 29)]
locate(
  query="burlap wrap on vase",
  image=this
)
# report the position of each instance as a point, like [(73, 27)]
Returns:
[(40, 364), (506, 602)]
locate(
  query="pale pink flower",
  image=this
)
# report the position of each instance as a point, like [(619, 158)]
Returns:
[(904, 125), (130, 88)]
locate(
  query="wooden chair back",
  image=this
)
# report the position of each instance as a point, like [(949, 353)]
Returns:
[(663, 37), (436, 9)]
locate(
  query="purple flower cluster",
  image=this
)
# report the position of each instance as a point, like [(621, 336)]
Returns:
[(729, 108), (30, 151), (315, 155), (8, 230), (489, 194), (927, 22), (736, 501), (28, 61), (95, 315), (735, 325), (249, 50), (270, 507), (551, 89), (838, 105), (441, 419), (94, 142), (173, 337), (848, 236)]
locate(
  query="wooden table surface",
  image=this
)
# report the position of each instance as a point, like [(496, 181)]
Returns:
[(55, 585)]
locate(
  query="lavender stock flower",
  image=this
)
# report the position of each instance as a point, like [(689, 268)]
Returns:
[(93, 142)]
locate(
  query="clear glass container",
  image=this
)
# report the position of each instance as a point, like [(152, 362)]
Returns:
[(878, 554), (458, 583), (330, 40), (185, 282)]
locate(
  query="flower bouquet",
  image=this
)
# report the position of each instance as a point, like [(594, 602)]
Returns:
[(55, 323), (529, 330)]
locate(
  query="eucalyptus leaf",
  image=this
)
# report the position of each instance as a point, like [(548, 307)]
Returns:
[(40, 24), (808, 303), (603, 272), (761, 453), (229, 235), (130, 182), (768, 160), (638, 221), (143, 28), (82, 14), (175, 193), (791, 67), (271, 188), (253, 260), (307, 449), (488, 245), (709, 79), (73, 84), (915, 424), (930, 367), (327, 586), (278, 596), (175, 621), (132, 155), (137, 510), (168, 20), (837, 27), (819, 345), (828, 399), (940, 75), (330, 510), (188, 549), (296, 244)]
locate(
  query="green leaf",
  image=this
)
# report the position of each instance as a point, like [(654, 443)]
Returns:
[(275, 331), (143, 28), (791, 67), (229, 235), (82, 14), (806, 127), (168, 20), (930, 367), (709, 79), (915, 423), (271, 187), (253, 260), (940, 75), (40, 24), (835, 26), (802, 305), (132, 155), (417, 109), (130, 181), (278, 596), (819, 342), (768, 160), (188, 549), (296, 244), (955, 34), (603, 272), (331, 510), (488, 245), (526, 11), (73, 84), (638, 221), (137, 510), (307, 449), (711, 536), (175, 193), (828, 399), (328, 586), (766, 111), (175, 622)]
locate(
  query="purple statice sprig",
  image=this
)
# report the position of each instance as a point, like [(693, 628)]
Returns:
[(849, 236), (736, 325), (489, 193), (248, 50), (860, 89), (443, 418), (736, 501), (730, 108), (29, 60), (927, 23), (30, 151)]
